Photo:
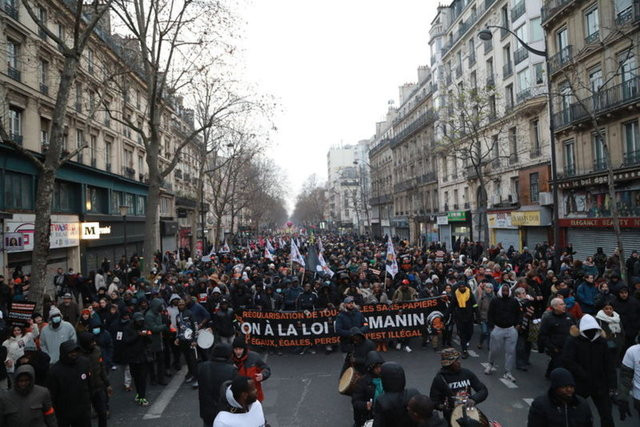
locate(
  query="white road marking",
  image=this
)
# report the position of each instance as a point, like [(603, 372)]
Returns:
[(509, 384), (158, 407), (485, 365), (303, 395), (456, 340), (472, 353), (528, 401)]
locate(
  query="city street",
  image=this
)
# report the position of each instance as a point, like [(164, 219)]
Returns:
[(303, 391)]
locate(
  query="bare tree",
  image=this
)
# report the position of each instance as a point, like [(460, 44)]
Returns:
[(84, 19), (310, 203)]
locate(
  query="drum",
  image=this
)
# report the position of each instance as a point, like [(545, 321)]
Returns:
[(347, 381), (474, 413), (205, 339)]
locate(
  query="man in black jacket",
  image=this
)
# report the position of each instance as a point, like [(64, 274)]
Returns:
[(454, 384), (587, 356), (98, 380), (367, 389), (212, 374), (185, 340), (629, 310), (560, 404), (68, 383), (390, 409), (504, 314), (554, 330)]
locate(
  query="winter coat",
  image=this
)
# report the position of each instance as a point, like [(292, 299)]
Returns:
[(554, 330), (504, 312), (629, 311), (136, 347), (15, 348), (549, 411), (70, 313), (364, 391), (98, 379), (447, 384), (249, 365), (307, 301), (586, 296), (39, 361), (346, 320), (211, 375), (118, 343), (33, 409), (224, 322), (153, 322), (390, 409), (51, 338), (590, 362), (68, 382)]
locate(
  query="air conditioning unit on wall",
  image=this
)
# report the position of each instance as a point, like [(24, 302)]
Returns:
[(545, 198)]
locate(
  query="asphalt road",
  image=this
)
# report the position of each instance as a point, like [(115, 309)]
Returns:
[(302, 391)]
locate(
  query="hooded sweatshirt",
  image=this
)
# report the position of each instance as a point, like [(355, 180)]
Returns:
[(236, 416), (27, 408), (389, 409), (51, 337), (504, 312), (69, 384)]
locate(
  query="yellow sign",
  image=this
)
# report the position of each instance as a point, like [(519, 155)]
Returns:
[(525, 218)]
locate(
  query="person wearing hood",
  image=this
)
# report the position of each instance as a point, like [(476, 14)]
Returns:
[(137, 354), (610, 323), (454, 384), (170, 336), (250, 364), (504, 315), (55, 333), (103, 340), (559, 404), (18, 404), (348, 318), (360, 348), (390, 408), (464, 310), (243, 407), (15, 345), (629, 310), (211, 375), (367, 389), (98, 380), (69, 384), (587, 356), (119, 346), (153, 322)]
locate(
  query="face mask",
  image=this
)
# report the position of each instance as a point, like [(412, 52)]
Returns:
[(96, 331), (56, 319)]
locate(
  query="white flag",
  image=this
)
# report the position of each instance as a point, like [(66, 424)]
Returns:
[(270, 246), (281, 243), (320, 247), (225, 248), (268, 254), (295, 254), (392, 263), (323, 266), (250, 251)]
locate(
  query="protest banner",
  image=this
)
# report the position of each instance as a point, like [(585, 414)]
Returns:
[(20, 312), (305, 328)]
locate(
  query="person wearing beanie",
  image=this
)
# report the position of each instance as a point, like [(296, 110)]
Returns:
[(38, 360), (249, 364), (211, 375), (587, 356), (559, 404), (55, 333)]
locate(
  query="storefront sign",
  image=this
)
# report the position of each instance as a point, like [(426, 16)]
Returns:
[(599, 222), (297, 328), (65, 230), (13, 242), (599, 179), (500, 220), (92, 230), (457, 216), (442, 220), (526, 218)]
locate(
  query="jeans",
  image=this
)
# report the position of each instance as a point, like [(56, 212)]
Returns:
[(523, 351), (99, 401), (507, 338), (139, 374)]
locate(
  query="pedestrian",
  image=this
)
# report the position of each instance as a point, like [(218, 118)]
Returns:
[(250, 364), (485, 294), (39, 361), (16, 344), (611, 324), (185, 340), (55, 333), (137, 353), (554, 330), (586, 355), (523, 346), (211, 375), (119, 346), (629, 310), (464, 312), (367, 389), (629, 381), (587, 294), (224, 322), (153, 323), (390, 408), (18, 404), (69, 309), (504, 315), (560, 405), (69, 385), (349, 317), (242, 406), (421, 411), (99, 382)]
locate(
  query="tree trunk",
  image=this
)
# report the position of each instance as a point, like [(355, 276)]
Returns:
[(615, 215), (482, 210), (151, 223), (216, 236)]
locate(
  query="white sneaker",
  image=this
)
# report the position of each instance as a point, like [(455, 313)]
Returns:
[(507, 376), (407, 349), (489, 369), (398, 346)]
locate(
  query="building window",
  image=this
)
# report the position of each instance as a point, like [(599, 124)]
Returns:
[(569, 158), (79, 143), (93, 148), (523, 80), (536, 144), (537, 33), (513, 145), (44, 133), (595, 79), (43, 76), (18, 191), (63, 197), (116, 201), (534, 189), (562, 39), (41, 13), (538, 69), (631, 135), (107, 155), (599, 156), (508, 96), (140, 164), (128, 158), (140, 205), (15, 124), (93, 201), (78, 97), (165, 206), (13, 59), (90, 60), (591, 25)]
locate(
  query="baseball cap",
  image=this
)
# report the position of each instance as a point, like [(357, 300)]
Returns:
[(347, 300), (67, 295), (448, 356)]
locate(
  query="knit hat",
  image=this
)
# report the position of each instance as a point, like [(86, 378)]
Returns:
[(561, 377), (54, 311), (30, 346), (448, 356), (239, 342)]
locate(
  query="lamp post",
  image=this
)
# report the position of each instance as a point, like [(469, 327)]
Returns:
[(123, 212), (486, 34)]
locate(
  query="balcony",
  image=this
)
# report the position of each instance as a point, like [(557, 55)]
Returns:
[(129, 172), (535, 152), (178, 174), (507, 70), (513, 158), (569, 170), (630, 14), (599, 164), (42, 34), (491, 81), (552, 7), (592, 38), (470, 172), (11, 10), (472, 59), (44, 89), (419, 123), (108, 167), (79, 107), (631, 158), (467, 206), (523, 95), (520, 55), (602, 102), (560, 59), (13, 73), (518, 10), (456, 206), (16, 138)]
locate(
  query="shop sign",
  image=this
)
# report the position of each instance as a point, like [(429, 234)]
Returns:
[(599, 222), (442, 220), (13, 242), (457, 216), (500, 220), (599, 179), (92, 230), (65, 231), (526, 218)]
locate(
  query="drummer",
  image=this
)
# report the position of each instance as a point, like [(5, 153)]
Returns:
[(454, 385), (366, 389), (186, 340), (357, 351)]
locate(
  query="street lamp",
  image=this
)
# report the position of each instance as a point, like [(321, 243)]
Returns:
[(485, 35), (123, 212)]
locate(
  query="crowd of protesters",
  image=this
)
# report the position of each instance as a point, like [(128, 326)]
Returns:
[(584, 314)]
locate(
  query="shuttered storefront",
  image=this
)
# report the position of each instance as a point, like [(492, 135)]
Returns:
[(508, 237), (535, 235), (586, 240)]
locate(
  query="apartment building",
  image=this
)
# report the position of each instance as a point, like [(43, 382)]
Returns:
[(515, 162), (110, 173), (593, 48), (380, 165)]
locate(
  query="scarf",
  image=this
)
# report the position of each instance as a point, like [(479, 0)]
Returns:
[(462, 298), (377, 382), (613, 322)]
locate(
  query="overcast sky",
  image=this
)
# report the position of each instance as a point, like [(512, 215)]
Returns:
[(332, 65)]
